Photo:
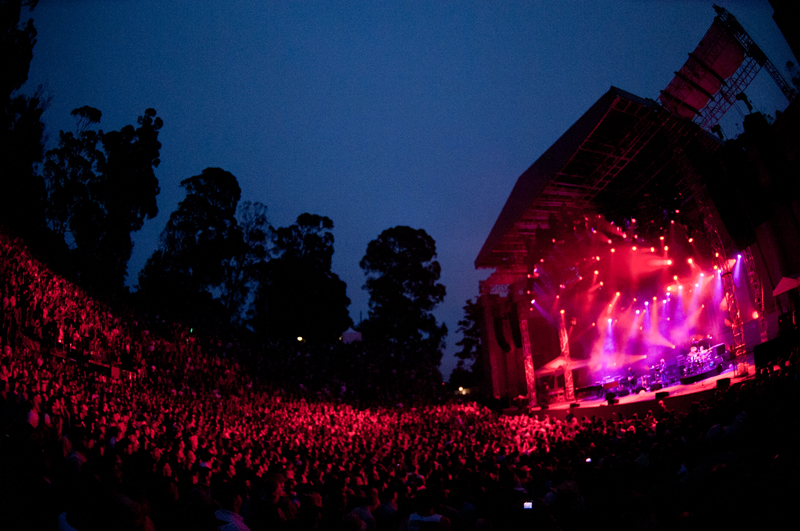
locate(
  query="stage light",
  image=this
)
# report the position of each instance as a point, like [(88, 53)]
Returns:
[(601, 282), (529, 275), (652, 249), (633, 220), (689, 260), (655, 298), (594, 324), (609, 320), (598, 258), (715, 267), (533, 301), (716, 254), (755, 315), (580, 278), (613, 251), (691, 240), (637, 312), (669, 262), (664, 301), (554, 240), (646, 303), (677, 211), (609, 241), (634, 247), (618, 294), (675, 277), (541, 260), (702, 274), (669, 288), (624, 235), (558, 296), (661, 238), (666, 247), (562, 312), (697, 285), (300, 338), (680, 287), (672, 222), (596, 272)]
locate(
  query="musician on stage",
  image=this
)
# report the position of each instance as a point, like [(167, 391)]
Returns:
[(662, 370), (631, 379)]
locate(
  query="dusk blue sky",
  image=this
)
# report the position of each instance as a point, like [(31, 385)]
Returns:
[(374, 114)]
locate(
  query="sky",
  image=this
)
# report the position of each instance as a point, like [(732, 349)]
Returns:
[(375, 114)]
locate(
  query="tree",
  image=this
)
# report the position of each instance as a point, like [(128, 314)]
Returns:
[(402, 281), (242, 269), (22, 190), (299, 295), (201, 236), (101, 187), (469, 371)]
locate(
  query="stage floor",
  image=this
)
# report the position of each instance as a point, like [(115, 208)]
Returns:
[(646, 399)]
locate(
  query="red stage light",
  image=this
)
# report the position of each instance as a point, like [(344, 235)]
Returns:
[(669, 262), (612, 250), (633, 220), (609, 241), (661, 238), (601, 282), (618, 294), (533, 301), (596, 272), (529, 275), (666, 247), (652, 249), (690, 260), (562, 312), (755, 315), (691, 240), (677, 211), (598, 258), (634, 247), (672, 222)]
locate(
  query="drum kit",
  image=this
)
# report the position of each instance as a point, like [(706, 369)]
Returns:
[(698, 360)]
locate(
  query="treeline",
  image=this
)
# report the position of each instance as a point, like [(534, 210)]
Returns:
[(219, 267)]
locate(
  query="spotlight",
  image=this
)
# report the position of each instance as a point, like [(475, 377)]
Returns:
[(689, 260), (609, 320), (529, 275), (596, 272), (594, 324), (533, 301), (669, 262), (598, 258), (612, 250), (609, 241), (299, 338), (740, 256), (646, 303), (666, 247), (702, 275), (618, 294), (562, 312), (669, 288), (716, 254), (634, 247), (664, 301), (655, 298), (637, 312), (601, 282), (755, 315), (680, 287), (541, 260), (691, 240), (675, 277), (633, 220), (697, 285), (652, 249), (661, 238)]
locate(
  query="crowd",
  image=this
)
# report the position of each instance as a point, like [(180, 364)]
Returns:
[(189, 440)]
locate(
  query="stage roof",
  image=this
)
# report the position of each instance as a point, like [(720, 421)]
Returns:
[(620, 151)]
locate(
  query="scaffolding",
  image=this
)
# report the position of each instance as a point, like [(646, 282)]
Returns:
[(758, 294)]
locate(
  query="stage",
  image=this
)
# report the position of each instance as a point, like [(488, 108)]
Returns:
[(676, 397)]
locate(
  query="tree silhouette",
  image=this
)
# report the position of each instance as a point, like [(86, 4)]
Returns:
[(201, 236), (101, 188), (469, 370), (402, 281), (22, 190), (299, 295), (242, 269)]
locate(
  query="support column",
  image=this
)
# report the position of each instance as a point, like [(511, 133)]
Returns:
[(569, 386), (530, 376)]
